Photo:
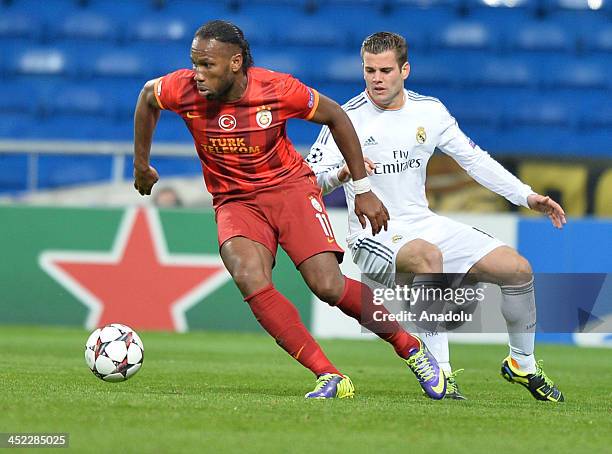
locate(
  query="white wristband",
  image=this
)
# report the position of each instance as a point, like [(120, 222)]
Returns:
[(362, 186)]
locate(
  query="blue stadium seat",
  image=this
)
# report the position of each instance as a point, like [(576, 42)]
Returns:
[(282, 61), (598, 115), (313, 30), (343, 68), (18, 96), (417, 33), (473, 111), (120, 94), (86, 25), (599, 40), (595, 128), (361, 5), (534, 123), (426, 71), (302, 133), (46, 12), (312, 63), (126, 10), (120, 63), (418, 25), (540, 125), (198, 11), (169, 167), (504, 20), (171, 128), (41, 61), (256, 30), (16, 124), (541, 36), (341, 92), (79, 127), (573, 6), (428, 4), (280, 15), (538, 111), (504, 6), (161, 28), (455, 67), (58, 171), (410, 15), (504, 72), (78, 99), (579, 74), (466, 35), (19, 25), (459, 100), (344, 24), (13, 172), (583, 21), (160, 59), (483, 135)]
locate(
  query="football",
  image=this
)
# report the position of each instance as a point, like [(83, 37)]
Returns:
[(114, 353)]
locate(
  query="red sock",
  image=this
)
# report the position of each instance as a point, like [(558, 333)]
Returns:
[(279, 317), (357, 302)]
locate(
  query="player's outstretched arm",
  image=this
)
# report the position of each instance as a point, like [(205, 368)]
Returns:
[(491, 174), (145, 120), (546, 205), (342, 130)]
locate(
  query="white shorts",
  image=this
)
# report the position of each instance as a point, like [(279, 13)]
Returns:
[(461, 246)]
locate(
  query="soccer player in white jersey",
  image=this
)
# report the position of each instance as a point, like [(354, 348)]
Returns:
[(399, 131)]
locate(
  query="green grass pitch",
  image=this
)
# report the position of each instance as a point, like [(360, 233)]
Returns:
[(223, 392)]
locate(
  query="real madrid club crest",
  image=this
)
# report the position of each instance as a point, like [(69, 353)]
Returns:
[(263, 116), (421, 136)]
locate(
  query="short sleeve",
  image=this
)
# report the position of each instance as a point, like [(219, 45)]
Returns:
[(297, 100), (167, 89)]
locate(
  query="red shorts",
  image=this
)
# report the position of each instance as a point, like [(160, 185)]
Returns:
[(291, 213)]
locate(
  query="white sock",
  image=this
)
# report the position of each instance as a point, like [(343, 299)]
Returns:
[(437, 343), (519, 310)]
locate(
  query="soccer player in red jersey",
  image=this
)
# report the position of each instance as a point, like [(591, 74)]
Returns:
[(264, 194)]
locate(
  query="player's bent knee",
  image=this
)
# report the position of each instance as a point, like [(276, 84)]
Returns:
[(419, 256), (328, 289), (521, 271), (249, 278), (432, 256), (523, 266)]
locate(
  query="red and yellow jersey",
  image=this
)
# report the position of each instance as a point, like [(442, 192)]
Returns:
[(243, 144)]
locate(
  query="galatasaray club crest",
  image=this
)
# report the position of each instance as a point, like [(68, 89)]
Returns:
[(263, 116), (421, 137)]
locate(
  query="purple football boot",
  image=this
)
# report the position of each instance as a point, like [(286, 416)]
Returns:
[(331, 386), (425, 367)]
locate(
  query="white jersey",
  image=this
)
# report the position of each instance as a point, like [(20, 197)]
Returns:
[(400, 142)]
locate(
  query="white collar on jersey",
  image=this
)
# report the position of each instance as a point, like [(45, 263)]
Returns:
[(382, 109)]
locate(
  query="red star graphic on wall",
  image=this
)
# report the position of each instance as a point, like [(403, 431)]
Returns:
[(138, 283)]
